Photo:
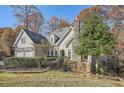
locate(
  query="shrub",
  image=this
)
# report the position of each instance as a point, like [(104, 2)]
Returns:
[(23, 62), (1, 64), (56, 64), (51, 58)]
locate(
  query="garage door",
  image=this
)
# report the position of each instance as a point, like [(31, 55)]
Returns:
[(29, 54), (20, 54)]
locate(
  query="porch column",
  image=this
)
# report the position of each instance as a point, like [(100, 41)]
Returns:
[(89, 58), (54, 52), (15, 53), (50, 52)]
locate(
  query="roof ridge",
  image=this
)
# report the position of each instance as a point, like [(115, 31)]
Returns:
[(32, 32), (35, 37)]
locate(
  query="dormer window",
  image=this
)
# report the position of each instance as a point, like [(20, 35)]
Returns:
[(52, 40), (23, 40)]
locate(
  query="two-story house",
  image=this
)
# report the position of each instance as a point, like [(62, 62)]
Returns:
[(61, 41), (25, 44)]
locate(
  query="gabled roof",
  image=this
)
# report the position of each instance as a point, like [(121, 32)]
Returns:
[(64, 35), (60, 32), (35, 37)]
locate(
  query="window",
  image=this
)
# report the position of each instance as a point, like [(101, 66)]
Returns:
[(69, 53), (85, 57), (23, 40), (48, 53), (55, 52), (52, 40), (51, 53)]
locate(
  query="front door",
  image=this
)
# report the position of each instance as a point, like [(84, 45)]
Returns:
[(62, 53)]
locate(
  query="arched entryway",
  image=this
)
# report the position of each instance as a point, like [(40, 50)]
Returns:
[(62, 53)]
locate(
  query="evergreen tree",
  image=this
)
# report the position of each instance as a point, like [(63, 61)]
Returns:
[(95, 39)]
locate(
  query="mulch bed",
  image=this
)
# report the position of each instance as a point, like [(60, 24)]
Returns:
[(29, 70)]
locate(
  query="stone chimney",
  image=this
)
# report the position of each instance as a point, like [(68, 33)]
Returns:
[(76, 24), (75, 42)]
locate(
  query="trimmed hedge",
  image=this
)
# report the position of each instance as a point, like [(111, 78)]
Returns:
[(56, 64), (51, 58), (23, 62), (1, 65)]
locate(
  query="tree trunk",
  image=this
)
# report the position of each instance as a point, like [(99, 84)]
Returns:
[(97, 64), (26, 23), (82, 58)]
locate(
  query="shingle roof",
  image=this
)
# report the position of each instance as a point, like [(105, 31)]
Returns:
[(35, 37), (59, 32)]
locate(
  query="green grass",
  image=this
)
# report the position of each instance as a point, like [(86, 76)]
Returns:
[(53, 79)]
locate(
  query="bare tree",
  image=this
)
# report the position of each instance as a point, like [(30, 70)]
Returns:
[(36, 21), (28, 15), (57, 23)]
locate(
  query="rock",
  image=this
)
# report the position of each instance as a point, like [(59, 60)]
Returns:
[(107, 77), (118, 79), (101, 76)]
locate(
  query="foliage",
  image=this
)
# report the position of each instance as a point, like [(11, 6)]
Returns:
[(57, 23), (7, 38), (51, 58), (95, 39), (113, 17), (114, 14), (1, 31), (53, 63), (22, 62), (18, 29), (67, 66), (86, 13)]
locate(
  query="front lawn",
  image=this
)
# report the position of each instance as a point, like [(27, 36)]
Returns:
[(53, 79)]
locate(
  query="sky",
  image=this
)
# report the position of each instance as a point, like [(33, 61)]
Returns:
[(67, 12)]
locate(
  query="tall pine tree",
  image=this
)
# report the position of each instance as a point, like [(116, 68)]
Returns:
[(95, 39)]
